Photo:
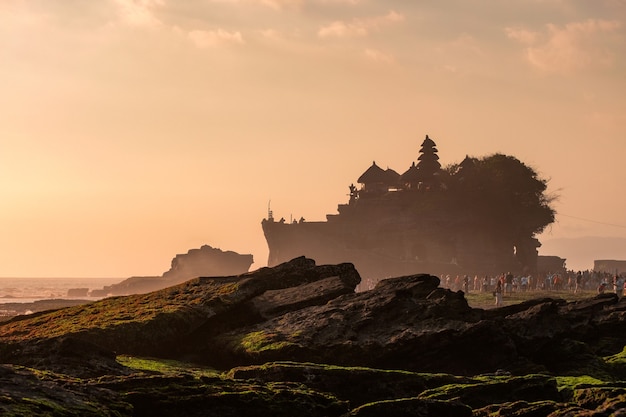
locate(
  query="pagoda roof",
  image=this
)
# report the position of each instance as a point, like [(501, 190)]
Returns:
[(373, 174), (412, 174), (392, 176), (433, 156), (467, 162), (428, 142)]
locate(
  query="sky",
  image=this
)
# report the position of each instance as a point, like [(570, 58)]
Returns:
[(134, 130)]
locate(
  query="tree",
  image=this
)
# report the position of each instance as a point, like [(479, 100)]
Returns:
[(505, 197)]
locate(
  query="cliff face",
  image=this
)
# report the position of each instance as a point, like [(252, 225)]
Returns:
[(396, 234), (265, 328), (382, 247)]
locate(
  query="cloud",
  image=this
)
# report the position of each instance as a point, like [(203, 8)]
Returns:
[(291, 4), (139, 12), (524, 36), (358, 27), (287, 4), (281, 4), (577, 46), (466, 44), (340, 29), (212, 38), (378, 56)]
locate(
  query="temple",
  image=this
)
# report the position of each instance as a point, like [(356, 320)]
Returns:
[(395, 224)]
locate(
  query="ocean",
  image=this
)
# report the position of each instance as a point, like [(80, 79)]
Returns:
[(28, 290)]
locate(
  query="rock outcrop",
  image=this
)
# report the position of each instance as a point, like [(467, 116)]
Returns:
[(407, 346), (203, 262)]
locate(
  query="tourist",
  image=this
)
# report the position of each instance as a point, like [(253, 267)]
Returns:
[(619, 285), (579, 281), (498, 293), (548, 282), (524, 283), (508, 283)]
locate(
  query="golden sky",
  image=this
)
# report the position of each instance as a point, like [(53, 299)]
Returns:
[(133, 130)]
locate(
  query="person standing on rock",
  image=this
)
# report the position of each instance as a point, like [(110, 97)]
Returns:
[(498, 293)]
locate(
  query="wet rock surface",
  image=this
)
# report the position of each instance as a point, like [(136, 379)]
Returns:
[(298, 339)]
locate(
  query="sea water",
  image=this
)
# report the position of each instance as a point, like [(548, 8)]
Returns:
[(28, 290)]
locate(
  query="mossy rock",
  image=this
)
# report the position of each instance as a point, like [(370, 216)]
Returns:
[(412, 407), (188, 396), (598, 396), (29, 392), (527, 409), (498, 389), (358, 385), (616, 365)]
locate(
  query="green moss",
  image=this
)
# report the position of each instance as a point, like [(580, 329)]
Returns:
[(165, 366), (43, 405), (617, 364), (571, 382), (260, 341), (479, 299), (227, 289), (111, 313)]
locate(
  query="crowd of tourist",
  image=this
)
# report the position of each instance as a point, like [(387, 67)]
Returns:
[(508, 283)]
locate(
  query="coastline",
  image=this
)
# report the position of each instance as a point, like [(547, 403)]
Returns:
[(27, 295)]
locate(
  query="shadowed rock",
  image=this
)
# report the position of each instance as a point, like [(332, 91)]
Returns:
[(301, 312), (298, 311)]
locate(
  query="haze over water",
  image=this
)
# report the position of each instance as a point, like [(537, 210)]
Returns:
[(26, 290)]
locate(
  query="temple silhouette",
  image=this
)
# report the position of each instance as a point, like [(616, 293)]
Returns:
[(397, 224)]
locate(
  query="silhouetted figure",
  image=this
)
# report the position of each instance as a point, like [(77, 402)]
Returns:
[(508, 281), (498, 293), (618, 285), (579, 281), (352, 193)]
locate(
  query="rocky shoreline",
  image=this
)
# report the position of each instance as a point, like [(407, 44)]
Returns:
[(298, 339), (10, 310)]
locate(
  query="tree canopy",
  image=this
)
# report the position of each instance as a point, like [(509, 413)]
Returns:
[(503, 196)]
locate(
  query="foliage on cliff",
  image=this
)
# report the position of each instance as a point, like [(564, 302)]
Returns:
[(502, 194)]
